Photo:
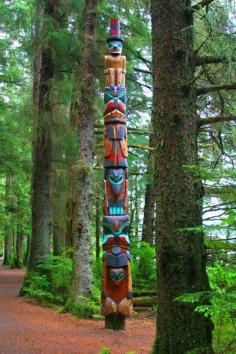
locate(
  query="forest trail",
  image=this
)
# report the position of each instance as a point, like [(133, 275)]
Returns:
[(26, 328)]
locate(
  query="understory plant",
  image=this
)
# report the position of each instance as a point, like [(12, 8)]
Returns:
[(219, 304), (51, 281)]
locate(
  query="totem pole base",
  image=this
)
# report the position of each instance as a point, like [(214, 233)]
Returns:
[(115, 321)]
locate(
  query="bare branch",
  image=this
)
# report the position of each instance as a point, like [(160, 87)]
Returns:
[(143, 71), (214, 120), (215, 88), (139, 83), (141, 147)]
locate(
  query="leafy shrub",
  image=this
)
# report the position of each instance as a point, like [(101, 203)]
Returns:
[(221, 306), (144, 266), (51, 282)]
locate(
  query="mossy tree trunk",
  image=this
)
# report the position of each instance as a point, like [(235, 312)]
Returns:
[(82, 258), (71, 201), (42, 147), (181, 260)]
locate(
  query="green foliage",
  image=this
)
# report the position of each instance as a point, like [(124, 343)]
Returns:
[(219, 304), (89, 307), (85, 308), (51, 282), (144, 266), (104, 350)]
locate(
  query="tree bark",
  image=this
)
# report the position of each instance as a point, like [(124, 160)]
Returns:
[(9, 229), (98, 225), (82, 258), (19, 247), (149, 205), (181, 254), (71, 205), (42, 147)]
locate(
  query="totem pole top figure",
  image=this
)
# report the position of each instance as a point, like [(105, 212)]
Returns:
[(115, 63), (115, 41)]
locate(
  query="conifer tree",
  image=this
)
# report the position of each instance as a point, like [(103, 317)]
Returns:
[(181, 254), (82, 258), (42, 145)]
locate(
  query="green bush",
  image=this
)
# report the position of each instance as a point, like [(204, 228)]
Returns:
[(220, 305), (51, 282), (85, 308), (144, 266)]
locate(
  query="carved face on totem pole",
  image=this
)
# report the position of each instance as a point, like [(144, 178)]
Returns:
[(115, 41), (116, 229), (115, 99), (116, 179), (115, 46)]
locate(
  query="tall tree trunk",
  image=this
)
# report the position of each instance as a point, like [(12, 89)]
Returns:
[(40, 241), (136, 206), (70, 209), (58, 177), (71, 204), (149, 211), (181, 260), (9, 229), (149, 203), (98, 225), (59, 118), (19, 247), (82, 259)]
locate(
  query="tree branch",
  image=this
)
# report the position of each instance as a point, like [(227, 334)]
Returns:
[(213, 120), (220, 190), (211, 59), (215, 88), (139, 83), (143, 71), (201, 4), (14, 82)]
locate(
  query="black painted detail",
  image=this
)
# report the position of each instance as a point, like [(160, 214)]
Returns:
[(116, 261)]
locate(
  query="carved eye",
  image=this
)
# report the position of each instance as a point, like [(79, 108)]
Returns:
[(120, 179), (112, 179), (112, 276), (121, 276), (116, 180)]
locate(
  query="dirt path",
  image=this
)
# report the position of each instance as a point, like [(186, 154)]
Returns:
[(30, 329)]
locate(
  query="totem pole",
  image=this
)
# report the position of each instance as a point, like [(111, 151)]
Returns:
[(116, 281)]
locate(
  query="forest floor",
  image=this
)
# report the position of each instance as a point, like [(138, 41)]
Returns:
[(26, 328)]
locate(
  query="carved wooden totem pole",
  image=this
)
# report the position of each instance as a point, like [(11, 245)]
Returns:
[(116, 282)]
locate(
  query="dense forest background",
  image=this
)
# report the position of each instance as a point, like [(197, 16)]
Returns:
[(29, 34)]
